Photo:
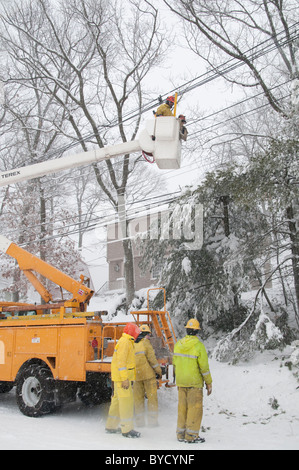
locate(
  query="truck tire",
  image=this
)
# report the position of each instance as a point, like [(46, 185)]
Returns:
[(95, 390), (6, 387), (35, 391)]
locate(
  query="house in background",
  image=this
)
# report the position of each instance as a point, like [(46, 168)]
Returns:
[(115, 258), (148, 278)]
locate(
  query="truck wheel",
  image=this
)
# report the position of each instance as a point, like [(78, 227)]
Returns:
[(35, 391)]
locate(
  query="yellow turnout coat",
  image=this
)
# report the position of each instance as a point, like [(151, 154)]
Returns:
[(123, 366), (164, 110), (147, 365)]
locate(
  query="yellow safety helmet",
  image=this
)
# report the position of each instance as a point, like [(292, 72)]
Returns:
[(193, 324), (145, 329)]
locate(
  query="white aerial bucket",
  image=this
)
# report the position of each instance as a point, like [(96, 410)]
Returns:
[(161, 139)]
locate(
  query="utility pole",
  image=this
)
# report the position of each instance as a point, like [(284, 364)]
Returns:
[(225, 202)]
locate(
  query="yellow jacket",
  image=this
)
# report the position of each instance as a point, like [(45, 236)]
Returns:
[(123, 365), (164, 110), (191, 363), (147, 365)]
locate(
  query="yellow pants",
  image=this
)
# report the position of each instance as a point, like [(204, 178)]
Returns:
[(148, 388), (121, 409), (190, 410)]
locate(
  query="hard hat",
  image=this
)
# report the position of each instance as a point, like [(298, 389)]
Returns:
[(170, 99), (145, 329), (132, 330), (193, 324), (182, 118)]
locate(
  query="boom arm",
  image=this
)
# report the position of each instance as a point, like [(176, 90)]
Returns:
[(28, 263), (160, 138)]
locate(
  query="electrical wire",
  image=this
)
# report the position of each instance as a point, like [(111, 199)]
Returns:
[(203, 79), (95, 222), (102, 221), (187, 87), (190, 85)]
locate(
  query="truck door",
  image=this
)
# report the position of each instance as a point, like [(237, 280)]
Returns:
[(6, 345), (72, 354)]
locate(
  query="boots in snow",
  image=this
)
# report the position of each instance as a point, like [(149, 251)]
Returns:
[(132, 433)]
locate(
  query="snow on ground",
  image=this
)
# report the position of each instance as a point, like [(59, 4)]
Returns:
[(238, 415)]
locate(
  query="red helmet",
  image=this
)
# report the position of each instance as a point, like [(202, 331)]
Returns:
[(170, 99), (132, 329)]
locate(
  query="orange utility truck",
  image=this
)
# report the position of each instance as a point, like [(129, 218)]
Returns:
[(57, 351)]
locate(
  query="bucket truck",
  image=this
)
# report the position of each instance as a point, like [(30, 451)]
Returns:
[(55, 351)]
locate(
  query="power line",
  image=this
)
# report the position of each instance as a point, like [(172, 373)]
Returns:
[(212, 126), (107, 219), (222, 70), (95, 222), (199, 131), (187, 87)]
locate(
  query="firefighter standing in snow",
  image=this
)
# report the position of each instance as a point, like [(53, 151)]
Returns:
[(190, 360), (123, 373), (147, 367)]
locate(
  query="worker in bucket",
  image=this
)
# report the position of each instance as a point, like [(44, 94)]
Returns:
[(123, 372), (147, 371), (190, 360), (165, 108), (183, 129)]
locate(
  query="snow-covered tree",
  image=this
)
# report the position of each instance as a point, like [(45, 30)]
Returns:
[(92, 59), (55, 247), (241, 220)]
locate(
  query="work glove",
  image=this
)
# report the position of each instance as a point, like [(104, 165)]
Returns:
[(209, 388), (125, 384)]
